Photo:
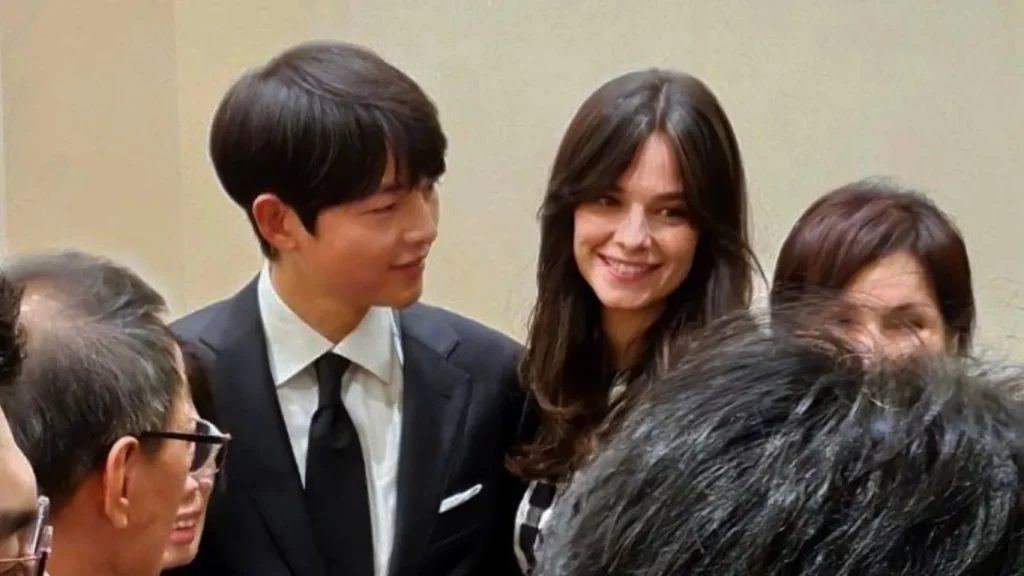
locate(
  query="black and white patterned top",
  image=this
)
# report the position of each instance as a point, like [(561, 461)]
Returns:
[(535, 508), (531, 520)]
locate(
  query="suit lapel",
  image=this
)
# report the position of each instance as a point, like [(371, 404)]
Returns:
[(261, 460), (436, 395)]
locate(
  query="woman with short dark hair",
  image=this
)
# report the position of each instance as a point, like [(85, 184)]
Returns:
[(895, 256), (191, 518)]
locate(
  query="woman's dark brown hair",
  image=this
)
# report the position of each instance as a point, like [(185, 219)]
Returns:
[(856, 225), (567, 366), (199, 385), (202, 395)]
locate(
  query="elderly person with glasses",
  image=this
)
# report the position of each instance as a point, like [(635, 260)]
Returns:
[(188, 524), (102, 411)]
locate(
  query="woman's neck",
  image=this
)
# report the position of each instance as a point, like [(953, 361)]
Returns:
[(624, 331)]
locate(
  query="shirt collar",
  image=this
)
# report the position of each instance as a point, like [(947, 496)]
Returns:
[(292, 345)]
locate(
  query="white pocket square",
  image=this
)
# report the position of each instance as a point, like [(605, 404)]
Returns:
[(459, 499)]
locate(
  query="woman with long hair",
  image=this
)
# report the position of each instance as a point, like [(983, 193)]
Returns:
[(643, 240)]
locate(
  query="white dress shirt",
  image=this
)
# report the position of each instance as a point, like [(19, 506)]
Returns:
[(371, 392)]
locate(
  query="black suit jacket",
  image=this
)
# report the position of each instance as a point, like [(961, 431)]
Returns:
[(462, 411)]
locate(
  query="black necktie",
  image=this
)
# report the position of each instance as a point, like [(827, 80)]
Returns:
[(336, 493)]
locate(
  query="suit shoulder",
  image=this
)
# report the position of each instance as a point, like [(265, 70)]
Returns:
[(193, 325), (471, 332)]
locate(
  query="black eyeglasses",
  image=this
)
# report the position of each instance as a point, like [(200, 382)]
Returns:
[(211, 446), (35, 547)]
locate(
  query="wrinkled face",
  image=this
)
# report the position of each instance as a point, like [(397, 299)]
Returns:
[(895, 312), (635, 245), (159, 480), (372, 252), (17, 497)]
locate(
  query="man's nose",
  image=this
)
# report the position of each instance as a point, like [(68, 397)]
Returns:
[(423, 216)]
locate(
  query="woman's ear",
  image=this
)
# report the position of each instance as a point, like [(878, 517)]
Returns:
[(954, 342), (119, 476)]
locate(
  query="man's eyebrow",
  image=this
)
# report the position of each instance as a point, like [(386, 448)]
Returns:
[(12, 522)]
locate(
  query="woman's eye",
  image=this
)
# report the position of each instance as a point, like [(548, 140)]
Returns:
[(675, 213), (909, 323)]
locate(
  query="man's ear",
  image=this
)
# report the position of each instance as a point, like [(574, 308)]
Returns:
[(277, 222), (119, 477)]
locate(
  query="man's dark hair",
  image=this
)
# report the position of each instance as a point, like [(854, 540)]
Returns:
[(770, 454), (99, 364), (316, 126)]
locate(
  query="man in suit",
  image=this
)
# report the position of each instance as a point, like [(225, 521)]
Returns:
[(369, 431)]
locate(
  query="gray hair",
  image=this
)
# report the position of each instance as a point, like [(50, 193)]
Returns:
[(100, 364), (774, 453)]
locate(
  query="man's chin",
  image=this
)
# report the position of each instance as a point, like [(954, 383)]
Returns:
[(405, 298)]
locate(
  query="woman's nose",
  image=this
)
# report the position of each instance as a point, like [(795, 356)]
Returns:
[(192, 485), (634, 230)]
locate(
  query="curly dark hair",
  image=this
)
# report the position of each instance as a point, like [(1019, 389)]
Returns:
[(770, 453)]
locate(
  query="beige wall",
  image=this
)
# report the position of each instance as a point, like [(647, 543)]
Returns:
[(215, 42), (90, 123), (106, 111)]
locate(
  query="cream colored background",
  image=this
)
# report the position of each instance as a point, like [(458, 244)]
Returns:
[(106, 105)]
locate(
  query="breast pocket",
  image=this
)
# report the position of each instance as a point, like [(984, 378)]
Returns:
[(460, 515)]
